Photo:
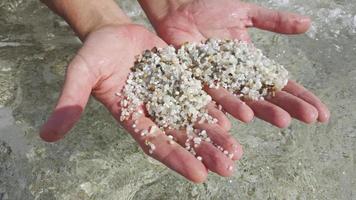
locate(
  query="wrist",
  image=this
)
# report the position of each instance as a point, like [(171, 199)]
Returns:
[(86, 16)]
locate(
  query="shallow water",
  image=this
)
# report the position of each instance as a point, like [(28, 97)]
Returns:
[(98, 160)]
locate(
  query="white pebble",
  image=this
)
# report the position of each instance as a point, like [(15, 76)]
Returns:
[(151, 146), (230, 155), (197, 140), (169, 82), (144, 132), (153, 129)]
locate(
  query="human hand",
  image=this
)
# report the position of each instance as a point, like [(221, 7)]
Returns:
[(182, 21), (100, 68)]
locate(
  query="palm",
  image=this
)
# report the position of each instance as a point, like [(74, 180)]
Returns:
[(109, 54), (229, 19), (204, 19), (101, 68)]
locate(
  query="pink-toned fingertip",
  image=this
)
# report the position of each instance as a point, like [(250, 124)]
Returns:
[(225, 124), (303, 24), (310, 116), (199, 176), (324, 116), (238, 152), (283, 122), (247, 114), (49, 135)]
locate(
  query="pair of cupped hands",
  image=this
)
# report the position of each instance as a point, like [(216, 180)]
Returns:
[(101, 66)]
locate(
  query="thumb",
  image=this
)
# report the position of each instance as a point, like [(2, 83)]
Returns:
[(72, 101)]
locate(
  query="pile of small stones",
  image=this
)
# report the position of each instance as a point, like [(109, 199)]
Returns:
[(169, 83), (234, 65)]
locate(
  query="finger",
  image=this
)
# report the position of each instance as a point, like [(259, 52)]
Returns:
[(299, 91), (270, 113), (277, 21), (215, 160), (231, 104), (75, 94), (222, 138), (295, 106), (223, 121), (169, 153), (212, 157)]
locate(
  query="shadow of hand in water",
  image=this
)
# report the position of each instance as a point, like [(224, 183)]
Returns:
[(58, 124)]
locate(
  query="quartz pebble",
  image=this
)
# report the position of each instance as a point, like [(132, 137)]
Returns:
[(230, 155), (234, 65), (169, 83), (144, 132), (172, 96), (151, 147), (170, 139)]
